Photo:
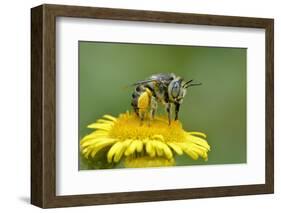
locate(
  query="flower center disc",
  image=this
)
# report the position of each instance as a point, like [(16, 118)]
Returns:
[(129, 126)]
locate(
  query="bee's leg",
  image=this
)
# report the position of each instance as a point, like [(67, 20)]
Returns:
[(177, 109), (142, 116), (134, 104), (168, 109), (153, 108), (136, 110)]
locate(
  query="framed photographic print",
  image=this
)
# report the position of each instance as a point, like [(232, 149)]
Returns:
[(135, 106)]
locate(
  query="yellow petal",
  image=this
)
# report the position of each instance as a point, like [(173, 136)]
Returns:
[(84, 150), (119, 152), (198, 133), (113, 150), (159, 152), (198, 141), (104, 141), (203, 149), (150, 149), (93, 135), (186, 148), (199, 151), (91, 142), (103, 121), (139, 146), (158, 147), (131, 148), (88, 153), (191, 153), (100, 146), (176, 148), (158, 137), (205, 156), (167, 151), (109, 117), (100, 126)]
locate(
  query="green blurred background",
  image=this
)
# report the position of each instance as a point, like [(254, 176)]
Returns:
[(217, 108)]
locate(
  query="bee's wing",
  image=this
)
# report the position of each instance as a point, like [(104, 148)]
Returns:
[(144, 82), (139, 83)]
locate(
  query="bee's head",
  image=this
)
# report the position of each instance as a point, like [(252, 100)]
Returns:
[(177, 89)]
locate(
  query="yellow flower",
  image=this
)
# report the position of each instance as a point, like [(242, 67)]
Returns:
[(143, 145)]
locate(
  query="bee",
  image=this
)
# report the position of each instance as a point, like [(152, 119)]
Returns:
[(165, 88)]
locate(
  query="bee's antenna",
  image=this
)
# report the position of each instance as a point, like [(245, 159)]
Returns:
[(186, 83), (190, 85)]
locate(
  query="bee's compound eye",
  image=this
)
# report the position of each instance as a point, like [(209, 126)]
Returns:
[(175, 90)]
